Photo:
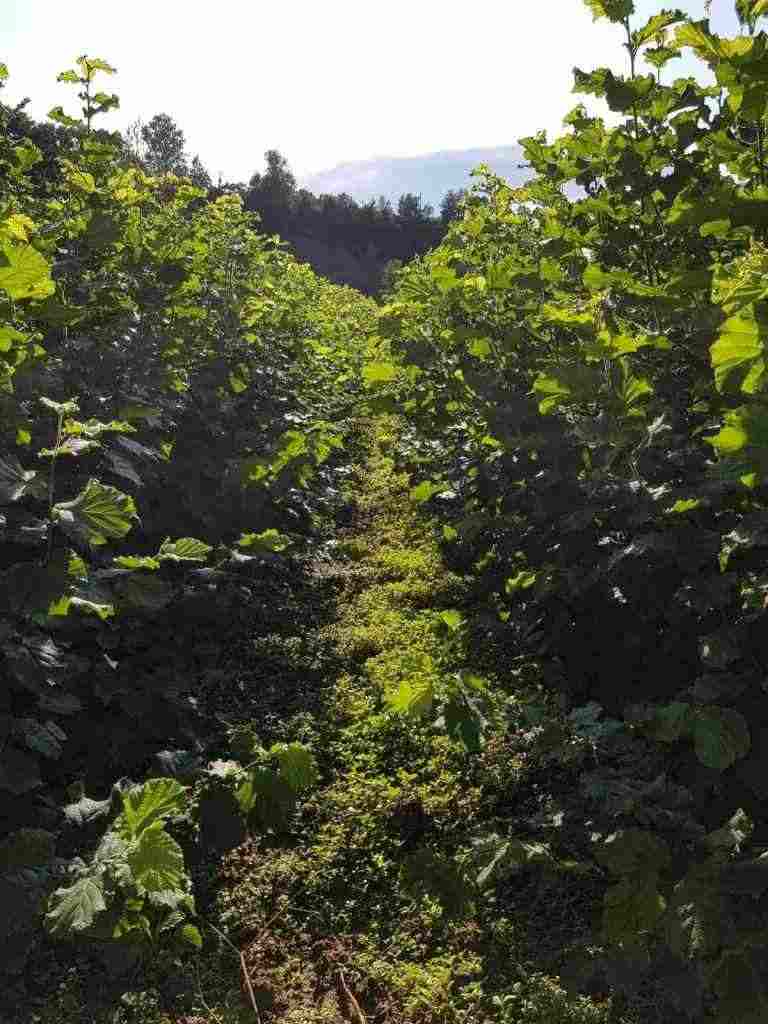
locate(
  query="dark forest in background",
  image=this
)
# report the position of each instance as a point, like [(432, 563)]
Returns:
[(348, 242)]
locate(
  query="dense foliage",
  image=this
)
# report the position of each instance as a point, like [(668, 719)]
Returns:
[(584, 381), (171, 382)]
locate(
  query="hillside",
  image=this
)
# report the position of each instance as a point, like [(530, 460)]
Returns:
[(430, 175)]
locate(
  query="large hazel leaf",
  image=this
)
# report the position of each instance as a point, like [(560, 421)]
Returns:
[(413, 697), (631, 907), (98, 514), (633, 851), (156, 861), (186, 549), (24, 273), (15, 481), (739, 345), (74, 908), (744, 434), (721, 737), (266, 798), (155, 800), (297, 765), (269, 540)]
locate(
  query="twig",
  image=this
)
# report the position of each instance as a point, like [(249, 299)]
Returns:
[(241, 956), (355, 1005), (249, 986)]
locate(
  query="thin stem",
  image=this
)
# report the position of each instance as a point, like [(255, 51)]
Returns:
[(52, 484), (632, 72), (761, 151)]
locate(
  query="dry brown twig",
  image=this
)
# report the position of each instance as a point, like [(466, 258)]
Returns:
[(244, 966), (249, 986), (350, 996)]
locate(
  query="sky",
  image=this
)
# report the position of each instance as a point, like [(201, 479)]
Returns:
[(323, 81)]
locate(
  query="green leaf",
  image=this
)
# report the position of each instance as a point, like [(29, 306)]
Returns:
[(25, 273), (633, 389), (522, 581), (480, 347), (11, 338), (68, 408), (95, 428), (744, 433), (90, 65), (186, 549), (657, 25), (731, 836), (93, 599), (463, 719), (684, 505), (721, 737), (84, 811), (74, 908), (499, 858), (412, 697), (716, 228), (632, 906), (98, 514), (190, 935), (74, 446), (697, 35), (614, 10), (633, 851), (671, 722), (268, 540), (142, 590), (266, 798), (59, 115), (739, 344), (297, 765), (140, 411), (566, 384), (80, 180), (156, 861), (137, 562), (453, 619), (15, 481), (379, 373), (422, 492), (155, 800)]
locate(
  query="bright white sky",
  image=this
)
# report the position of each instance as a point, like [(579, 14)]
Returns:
[(323, 81)]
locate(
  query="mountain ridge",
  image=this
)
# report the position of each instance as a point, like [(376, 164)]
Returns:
[(430, 175)]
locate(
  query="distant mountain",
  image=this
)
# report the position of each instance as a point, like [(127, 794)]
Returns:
[(430, 176)]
